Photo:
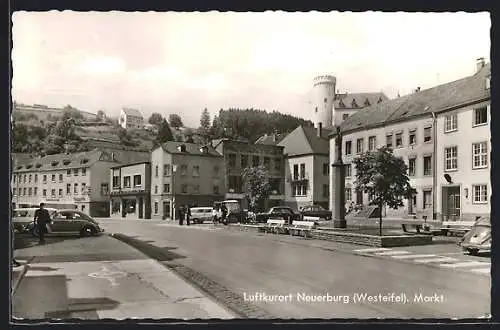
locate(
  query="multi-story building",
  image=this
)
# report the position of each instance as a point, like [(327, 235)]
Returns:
[(131, 191), (184, 174), (68, 180), (131, 118), (239, 155), (443, 135), (307, 168)]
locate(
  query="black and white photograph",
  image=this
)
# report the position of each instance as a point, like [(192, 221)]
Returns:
[(250, 165)]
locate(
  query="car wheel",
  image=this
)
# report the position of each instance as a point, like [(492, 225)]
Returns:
[(472, 252), (87, 231)]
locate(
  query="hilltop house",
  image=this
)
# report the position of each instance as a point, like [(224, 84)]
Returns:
[(131, 118)]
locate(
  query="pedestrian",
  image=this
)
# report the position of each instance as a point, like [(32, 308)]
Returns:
[(181, 214), (223, 209), (188, 215), (42, 220)]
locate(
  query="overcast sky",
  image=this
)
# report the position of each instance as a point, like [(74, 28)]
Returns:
[(184, 62)]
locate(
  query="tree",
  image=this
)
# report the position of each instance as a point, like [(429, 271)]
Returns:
[(164, 133), (384, 177), (175, 120), (101, 115), (256, 186), (156, 119), (70, 112), (205, 120)]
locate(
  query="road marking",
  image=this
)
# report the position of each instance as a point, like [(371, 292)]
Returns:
[(389, 253), (108, 274), (481, 270), (468, 264), (437, 259), (372, 250), (414, 256)]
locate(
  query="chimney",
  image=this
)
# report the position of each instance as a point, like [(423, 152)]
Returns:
[(320, 126), (480, 63)]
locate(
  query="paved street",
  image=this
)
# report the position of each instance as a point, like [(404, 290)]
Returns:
[(250, 263), (101, 277)]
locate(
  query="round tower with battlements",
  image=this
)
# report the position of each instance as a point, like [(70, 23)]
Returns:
[(323, 98)]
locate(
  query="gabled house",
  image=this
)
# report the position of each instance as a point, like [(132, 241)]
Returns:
[(131, 118)]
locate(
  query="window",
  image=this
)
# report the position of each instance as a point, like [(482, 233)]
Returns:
[(137, 180), (53, 193), (372, 143), (216, 171), (83, 206), (348, 147), (60, 178), (156, 171), (255, 161), (267, 162), (184, 188), (75, 189), (244, 161), (344, 116), (480, 155), (388, 140), (277, 164), (184, 170), (156, 208), (196, 170), (326, 190), (231, 160), (29, 179), (399, 140), (68, 173), (480, 116), (44, 193), (116, 181), (45, 178), (196, 188), (60, 192), (84, 191), (450, 158), (166, 170), (216, 189), (30, 190), (84, 171), (427, 134), (427, 199), (24, 191), (480, 193), (156, 189), (412, 137), (427, 165), (35, 190), (348, 194), (348, 170), (296, 172), (14, 191), (68, 189), (412, 162), (450, 123), (326, 168), (302, 171), (326, 100), (104, 189), (299, 190), (75, 172), (24, 178), (166, 188), (126, 181), (359, 146), (53, 178)]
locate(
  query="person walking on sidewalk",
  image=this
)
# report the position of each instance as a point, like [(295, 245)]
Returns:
[(42, 219), (188, 214), (180, 211)]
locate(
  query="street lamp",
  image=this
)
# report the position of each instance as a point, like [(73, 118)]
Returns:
[(174, 169)]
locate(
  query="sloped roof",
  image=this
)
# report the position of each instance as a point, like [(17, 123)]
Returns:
[(436, 99), (191, 149), (132, 112), (271, 139), (305, 140), (345, 101)]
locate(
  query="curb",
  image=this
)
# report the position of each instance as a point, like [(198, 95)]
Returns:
[(18, 281)]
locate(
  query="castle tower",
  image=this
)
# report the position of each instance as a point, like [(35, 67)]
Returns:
[(323, 97)]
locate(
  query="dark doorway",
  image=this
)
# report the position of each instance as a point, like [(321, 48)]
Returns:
[(359, 196), (451, 203), (141, 208), (166, 209)]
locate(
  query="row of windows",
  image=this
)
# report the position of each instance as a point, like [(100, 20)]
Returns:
[(244, 161), (33, 191), (185, 190), (127, 181), (302, 173), (28, 178), (183, 169), (480, 118)]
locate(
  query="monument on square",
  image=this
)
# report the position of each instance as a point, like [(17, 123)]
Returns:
[(338, 176)]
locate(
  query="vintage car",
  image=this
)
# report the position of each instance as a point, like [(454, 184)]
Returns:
[(22, 217), (316, 211), (478, 238), (70, 222), (281, 212), (234, 212), (201, 214)]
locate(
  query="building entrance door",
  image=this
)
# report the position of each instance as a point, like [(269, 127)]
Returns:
[(451, 203), (141, 208), (166, 209)]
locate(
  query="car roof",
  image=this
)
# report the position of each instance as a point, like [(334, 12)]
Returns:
[(483, 222)]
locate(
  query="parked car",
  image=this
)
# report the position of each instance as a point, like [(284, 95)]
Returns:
[(478, 238), (201, 214), (70, 222), (284, 212), (22, 217), (316, 211)]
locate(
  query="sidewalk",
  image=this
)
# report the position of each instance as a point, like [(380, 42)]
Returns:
[(103, 278)]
